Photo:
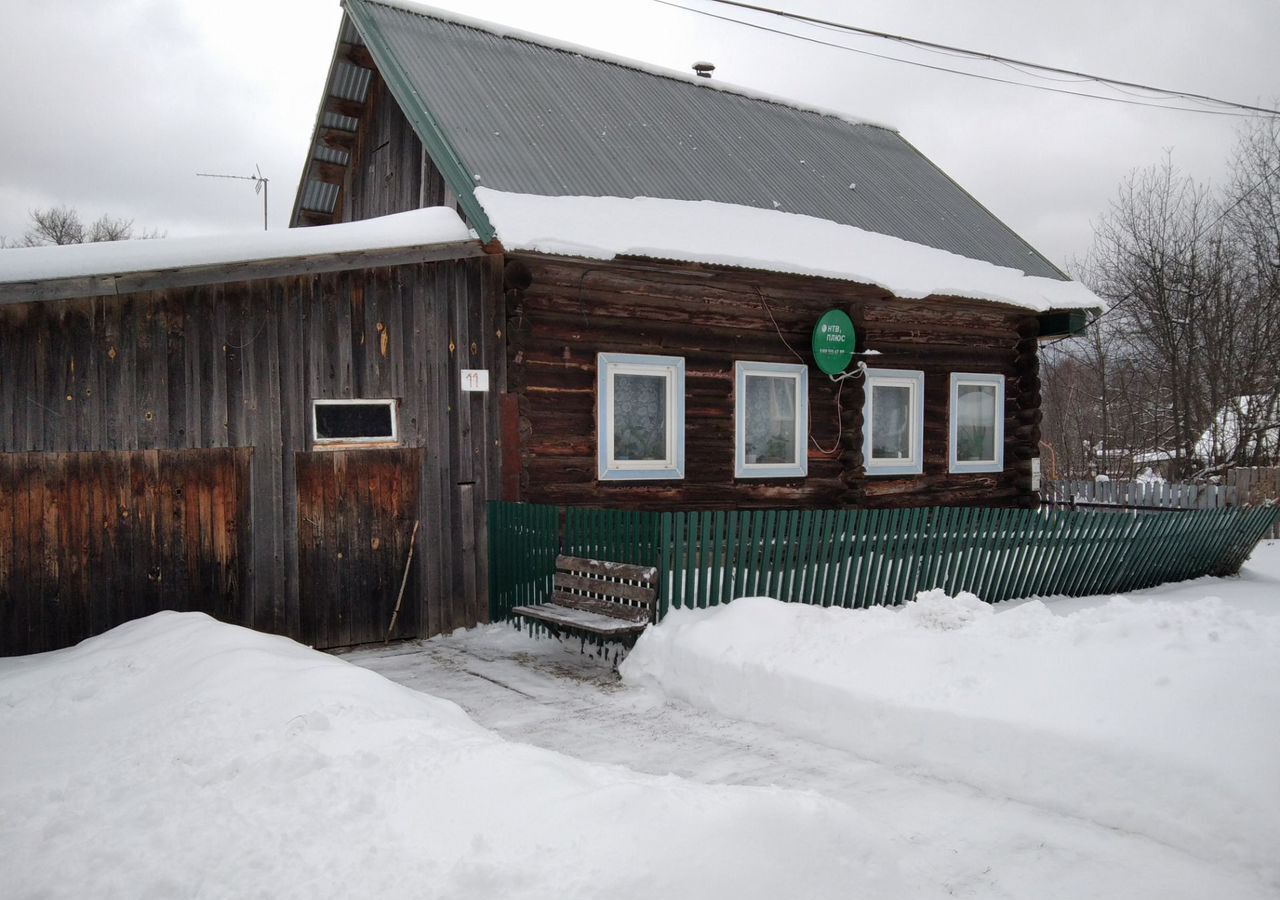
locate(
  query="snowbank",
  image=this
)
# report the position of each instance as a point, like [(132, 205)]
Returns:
[(726, 234), (1155, 717), (176, 756), (421, 227)]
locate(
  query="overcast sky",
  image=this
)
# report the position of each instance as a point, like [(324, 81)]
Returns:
[(114, 105)]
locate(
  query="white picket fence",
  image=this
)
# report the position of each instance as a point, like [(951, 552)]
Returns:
[(1140, 495), (1242, 487)]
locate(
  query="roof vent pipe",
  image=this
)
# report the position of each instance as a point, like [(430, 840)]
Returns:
[(703, 69)]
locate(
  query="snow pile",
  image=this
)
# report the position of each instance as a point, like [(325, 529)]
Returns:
[(421, 227), (936, 611), (176, 756), (1155, 717), (726, 234)]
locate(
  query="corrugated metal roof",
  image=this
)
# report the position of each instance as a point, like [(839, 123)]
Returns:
[(335, 155), (532, 119), (350, 82), (319, 196), (339, 121)]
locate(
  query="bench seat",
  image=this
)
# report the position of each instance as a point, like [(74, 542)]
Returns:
[(581, 619), (614, 601)]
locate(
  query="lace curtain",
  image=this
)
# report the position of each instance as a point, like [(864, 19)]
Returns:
[(639, 417), (890, 422), (770, 408), (975, 422)]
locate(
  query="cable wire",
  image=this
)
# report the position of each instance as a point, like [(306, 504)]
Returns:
[(989, 57), (1246, 111)]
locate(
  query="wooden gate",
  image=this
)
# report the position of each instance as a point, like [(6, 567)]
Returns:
[(356, 510), (89, 541)]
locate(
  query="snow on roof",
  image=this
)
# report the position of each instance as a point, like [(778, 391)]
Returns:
[(422, 227), (725, 234), (507, 31)]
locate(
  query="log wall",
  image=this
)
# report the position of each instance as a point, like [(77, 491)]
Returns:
[(236, 365), (561, 313)]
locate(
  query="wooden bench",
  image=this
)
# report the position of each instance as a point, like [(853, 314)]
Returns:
[(613, 601)]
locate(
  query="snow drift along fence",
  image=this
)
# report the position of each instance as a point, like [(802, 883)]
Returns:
[(859, 558)]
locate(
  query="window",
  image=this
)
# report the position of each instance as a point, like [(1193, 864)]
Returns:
[(640, 416), (893, 422), (977, 422), (354, 422), (771, 420)]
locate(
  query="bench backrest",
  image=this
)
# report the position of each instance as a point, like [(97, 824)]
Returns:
[(614, 589)]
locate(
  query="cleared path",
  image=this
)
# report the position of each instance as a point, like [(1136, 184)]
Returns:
[(953, 840)]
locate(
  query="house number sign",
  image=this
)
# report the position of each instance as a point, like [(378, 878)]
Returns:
[(475, 379), (833, 342)]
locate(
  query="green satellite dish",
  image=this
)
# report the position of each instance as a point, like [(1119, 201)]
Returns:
[(833, 342)]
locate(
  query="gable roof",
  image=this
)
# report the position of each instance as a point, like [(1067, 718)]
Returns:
[(525, 115)]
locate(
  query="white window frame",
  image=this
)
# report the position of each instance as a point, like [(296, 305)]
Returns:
[(909, 378), (983, 380), (392, 404), (610, 365), (798, 468)]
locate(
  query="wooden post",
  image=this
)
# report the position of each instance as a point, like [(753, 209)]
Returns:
[(404, 580)]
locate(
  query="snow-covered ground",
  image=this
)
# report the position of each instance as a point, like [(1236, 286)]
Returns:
[(178, 757)]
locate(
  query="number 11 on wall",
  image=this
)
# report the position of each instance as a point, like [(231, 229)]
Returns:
[(475, 379)]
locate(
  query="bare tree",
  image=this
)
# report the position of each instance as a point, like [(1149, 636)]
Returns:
[(60, 225), (1186, 363), (56, 225)]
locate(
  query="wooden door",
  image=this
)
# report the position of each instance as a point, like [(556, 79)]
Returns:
[(89, 541), (356, 510)]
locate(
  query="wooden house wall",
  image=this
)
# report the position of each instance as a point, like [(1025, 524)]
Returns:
[(388, 172), (237, 365), (561, 313)]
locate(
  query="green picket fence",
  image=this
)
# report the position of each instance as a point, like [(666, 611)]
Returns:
[(857, 558)]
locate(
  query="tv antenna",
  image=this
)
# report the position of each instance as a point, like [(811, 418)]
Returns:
[(259, 186)]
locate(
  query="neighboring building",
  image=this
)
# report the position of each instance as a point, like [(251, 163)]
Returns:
[(614, 308), (178, 431)]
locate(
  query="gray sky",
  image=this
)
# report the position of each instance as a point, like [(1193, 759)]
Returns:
[(113, 106)]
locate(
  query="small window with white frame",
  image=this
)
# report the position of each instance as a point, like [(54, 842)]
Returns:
[(354, 422), (771, 420), (639, 416), (893, 422), (977, 422)]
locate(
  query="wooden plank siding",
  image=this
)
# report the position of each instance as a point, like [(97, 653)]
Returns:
[(356, 511), (562, 312), (388, 172), (237, 365), (89, 540)]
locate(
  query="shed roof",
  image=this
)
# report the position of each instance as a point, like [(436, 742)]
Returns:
[(117, 267), (523, 114)]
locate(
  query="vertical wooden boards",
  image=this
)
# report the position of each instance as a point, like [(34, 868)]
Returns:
[(238, 365), (91, 540), (356, 510)]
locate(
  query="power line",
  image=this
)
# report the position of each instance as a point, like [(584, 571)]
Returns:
[(993, 57), (1244, 111)]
